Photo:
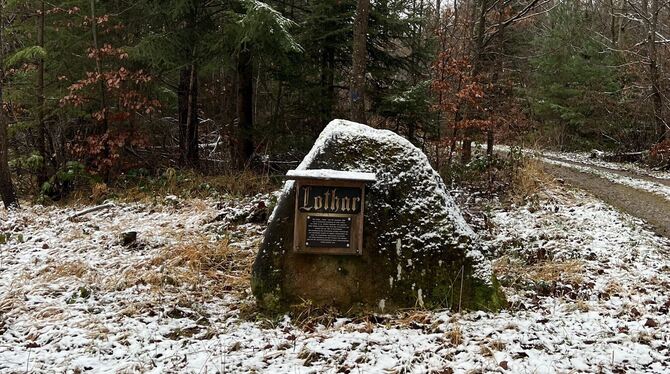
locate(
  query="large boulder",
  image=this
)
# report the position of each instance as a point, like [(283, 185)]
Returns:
[(418, 249)]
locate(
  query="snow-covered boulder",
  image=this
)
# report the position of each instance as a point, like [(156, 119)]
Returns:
[(418, 249)]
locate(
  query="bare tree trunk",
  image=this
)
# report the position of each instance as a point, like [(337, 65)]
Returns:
[(104, 128), (490, 131), (98, 67), (327, 83), (245, 98), (613, 22), (42, 176), (187, 100), (476, 69), (359, 61), (654, 74), (183, 110), (454, 133), (621, 27), (192, 155), (441, 39), (6, 186)]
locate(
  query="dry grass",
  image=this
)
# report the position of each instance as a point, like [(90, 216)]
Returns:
[(8, 302), (488, 347), (485, 351), (306, 315), (50, 312), (529, 181), (582, 306), (76, 269), (414, 318), (198, 205), (205, 267), (98, 332), (569, 271), (183, 183), (613, 288), (227, 268), (497, 345), (193, 185), (99, 191), (455, 335), (243, 183)]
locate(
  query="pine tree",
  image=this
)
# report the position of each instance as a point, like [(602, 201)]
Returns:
[(260, 31), (574, 84)]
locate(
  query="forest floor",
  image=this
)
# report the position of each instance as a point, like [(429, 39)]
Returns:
[(587, 285)]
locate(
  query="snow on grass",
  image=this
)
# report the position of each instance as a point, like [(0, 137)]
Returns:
[(588, 288), (588, 165), (72, 297), (654, 187), (615, 304), (585, 158)]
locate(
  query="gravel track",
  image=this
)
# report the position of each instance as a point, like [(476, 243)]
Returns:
[(651, 207)]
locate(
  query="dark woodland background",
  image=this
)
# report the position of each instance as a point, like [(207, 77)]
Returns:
[(146, 93)]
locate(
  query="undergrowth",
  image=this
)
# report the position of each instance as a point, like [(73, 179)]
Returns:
[(139, 185), (511, 177)]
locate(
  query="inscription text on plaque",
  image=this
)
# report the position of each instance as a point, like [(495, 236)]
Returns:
[(332, 232)]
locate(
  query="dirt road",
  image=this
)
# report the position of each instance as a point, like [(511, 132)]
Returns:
[(642, 196)]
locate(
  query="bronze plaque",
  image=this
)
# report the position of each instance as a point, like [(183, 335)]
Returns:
[(329, 216), (325, 232)]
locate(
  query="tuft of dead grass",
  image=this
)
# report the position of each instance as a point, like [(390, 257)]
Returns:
[(518, 271), (203, 266), (307, 315), (497, 345), (99, 191), (455, 335), (75, 269), (582, 306), (613, 288), (9, 302), (529, 181)]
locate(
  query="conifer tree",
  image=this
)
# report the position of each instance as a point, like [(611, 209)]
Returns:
[(575, 84)]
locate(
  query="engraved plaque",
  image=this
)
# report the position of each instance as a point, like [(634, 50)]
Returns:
[(329, 232), (329, 212)]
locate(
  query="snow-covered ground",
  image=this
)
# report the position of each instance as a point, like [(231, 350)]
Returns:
[(637, 177), (637, 183), (585, 158), (588, 289)]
